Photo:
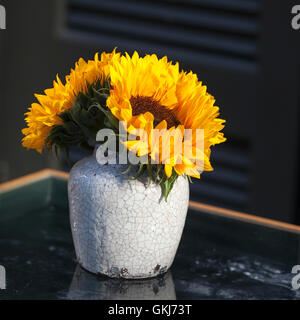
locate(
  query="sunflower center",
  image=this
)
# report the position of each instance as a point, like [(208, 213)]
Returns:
[(141, 104)]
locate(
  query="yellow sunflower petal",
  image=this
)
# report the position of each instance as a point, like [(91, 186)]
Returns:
[(43, 116), (168, 170)]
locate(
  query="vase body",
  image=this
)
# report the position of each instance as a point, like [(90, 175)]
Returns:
[(124, 228)]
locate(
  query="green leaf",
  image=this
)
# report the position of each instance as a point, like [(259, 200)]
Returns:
[(128, 169), (167, 184), (82, 122), (111, 118)]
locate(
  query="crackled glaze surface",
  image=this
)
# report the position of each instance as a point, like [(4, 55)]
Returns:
[(124, 228)]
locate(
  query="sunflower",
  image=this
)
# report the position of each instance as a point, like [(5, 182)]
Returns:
[(150, 93), (45, 115)]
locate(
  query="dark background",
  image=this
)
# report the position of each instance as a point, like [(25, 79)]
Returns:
[(245, 51)]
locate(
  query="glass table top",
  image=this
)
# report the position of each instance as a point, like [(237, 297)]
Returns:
[(218, 257)]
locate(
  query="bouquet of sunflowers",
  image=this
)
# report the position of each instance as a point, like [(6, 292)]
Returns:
[(146, 93)]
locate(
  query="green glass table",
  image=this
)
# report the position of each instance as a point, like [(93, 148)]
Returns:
[(222, 254)]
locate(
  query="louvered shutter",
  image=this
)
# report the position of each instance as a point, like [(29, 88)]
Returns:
[(211, 31), (208, 36)]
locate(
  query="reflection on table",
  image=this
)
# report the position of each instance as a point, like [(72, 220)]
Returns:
[(86, 286)]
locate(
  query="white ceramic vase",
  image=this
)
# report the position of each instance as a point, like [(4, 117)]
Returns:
[(123, 228)]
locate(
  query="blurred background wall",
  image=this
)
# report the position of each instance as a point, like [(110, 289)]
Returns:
[(245, 51)]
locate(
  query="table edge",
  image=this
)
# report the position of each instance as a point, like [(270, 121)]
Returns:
[(197, 206), (32, 178)]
